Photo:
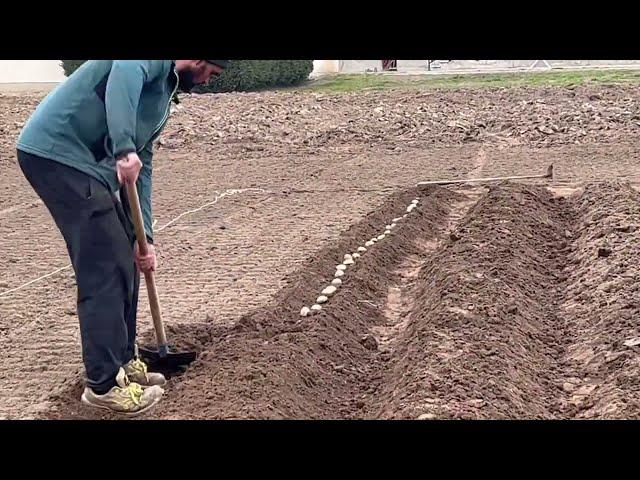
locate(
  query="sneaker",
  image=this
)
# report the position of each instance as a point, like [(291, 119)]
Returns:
[(136, 371), (128, 398)]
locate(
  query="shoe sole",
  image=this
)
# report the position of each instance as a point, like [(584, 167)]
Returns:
[(86, 402)]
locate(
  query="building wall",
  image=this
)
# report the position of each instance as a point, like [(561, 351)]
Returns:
[(417, 66), (326, 66), (360, 66), (31, 71)]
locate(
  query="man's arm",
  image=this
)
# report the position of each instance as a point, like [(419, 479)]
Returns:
[(122, 97), (144, 185)]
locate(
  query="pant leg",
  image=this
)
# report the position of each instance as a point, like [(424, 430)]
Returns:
[(131, 308), (102, 256), (131, 316)]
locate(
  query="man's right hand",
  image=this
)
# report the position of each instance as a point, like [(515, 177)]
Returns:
[(128, 168)]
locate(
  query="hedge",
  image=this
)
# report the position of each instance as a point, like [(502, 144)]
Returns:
[(244, 75), (70, 66)]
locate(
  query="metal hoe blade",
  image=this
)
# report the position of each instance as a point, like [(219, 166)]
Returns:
[(164, 361)]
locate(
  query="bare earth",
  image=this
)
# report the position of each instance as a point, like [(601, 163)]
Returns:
[(515, 301)]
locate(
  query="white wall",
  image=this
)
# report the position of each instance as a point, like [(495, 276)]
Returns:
[(418, 66), (360, 66), (326, 66), (31, 71)]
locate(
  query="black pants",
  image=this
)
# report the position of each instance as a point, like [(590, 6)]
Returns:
[(100, 241)]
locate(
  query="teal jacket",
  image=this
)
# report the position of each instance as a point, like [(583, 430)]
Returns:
[(105, 109)]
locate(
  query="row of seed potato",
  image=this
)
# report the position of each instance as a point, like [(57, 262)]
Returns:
[(350, 259)]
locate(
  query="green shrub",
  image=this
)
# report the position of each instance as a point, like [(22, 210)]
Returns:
[(244, 75), (70, 66)]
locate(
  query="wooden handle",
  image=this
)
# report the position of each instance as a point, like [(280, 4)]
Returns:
[(141, 238)]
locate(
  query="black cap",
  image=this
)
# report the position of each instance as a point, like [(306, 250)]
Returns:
[(219, 63)]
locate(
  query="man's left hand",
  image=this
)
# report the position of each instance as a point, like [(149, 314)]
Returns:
[(148, 262)]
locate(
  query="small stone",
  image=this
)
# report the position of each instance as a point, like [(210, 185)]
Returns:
[(347, 256), (322, 299), (362, 249), (336, 281), (349, 261), (356, 255), (410, 208), (316, 307), (369, 243), (393, 225), (70, 311), (338, 368), (387, 232), (342, 267), (470, 307), (380, 237), (305, 311), (613, 356), (369, 342), (604, 252), (585, 390), (414, 201), (632, 342), (387, 227), (625, 228), (512, 309), (404, 216), (454, 236), (330, 290), (374, 239), (397, 219), (339, 273), (427, 416), (568, 387)]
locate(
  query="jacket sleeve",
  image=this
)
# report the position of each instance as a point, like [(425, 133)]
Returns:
[(144, 185), (124, 86)]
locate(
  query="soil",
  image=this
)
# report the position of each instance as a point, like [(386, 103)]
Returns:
[(508, 318)]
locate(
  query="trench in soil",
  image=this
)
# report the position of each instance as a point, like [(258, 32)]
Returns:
[(506, 302)]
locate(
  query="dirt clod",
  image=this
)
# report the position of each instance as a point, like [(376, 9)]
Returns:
[(604, 252), (369, 342)]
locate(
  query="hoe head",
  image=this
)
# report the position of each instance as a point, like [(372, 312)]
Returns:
[(164, 361)]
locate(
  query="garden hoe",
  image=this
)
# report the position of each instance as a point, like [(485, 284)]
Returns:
[(161, 359)]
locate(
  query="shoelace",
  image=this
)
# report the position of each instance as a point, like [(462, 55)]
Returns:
[(139, 365), (134, 391)]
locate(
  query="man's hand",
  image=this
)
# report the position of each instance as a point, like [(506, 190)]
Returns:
[(148, 262), (128, 167)]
